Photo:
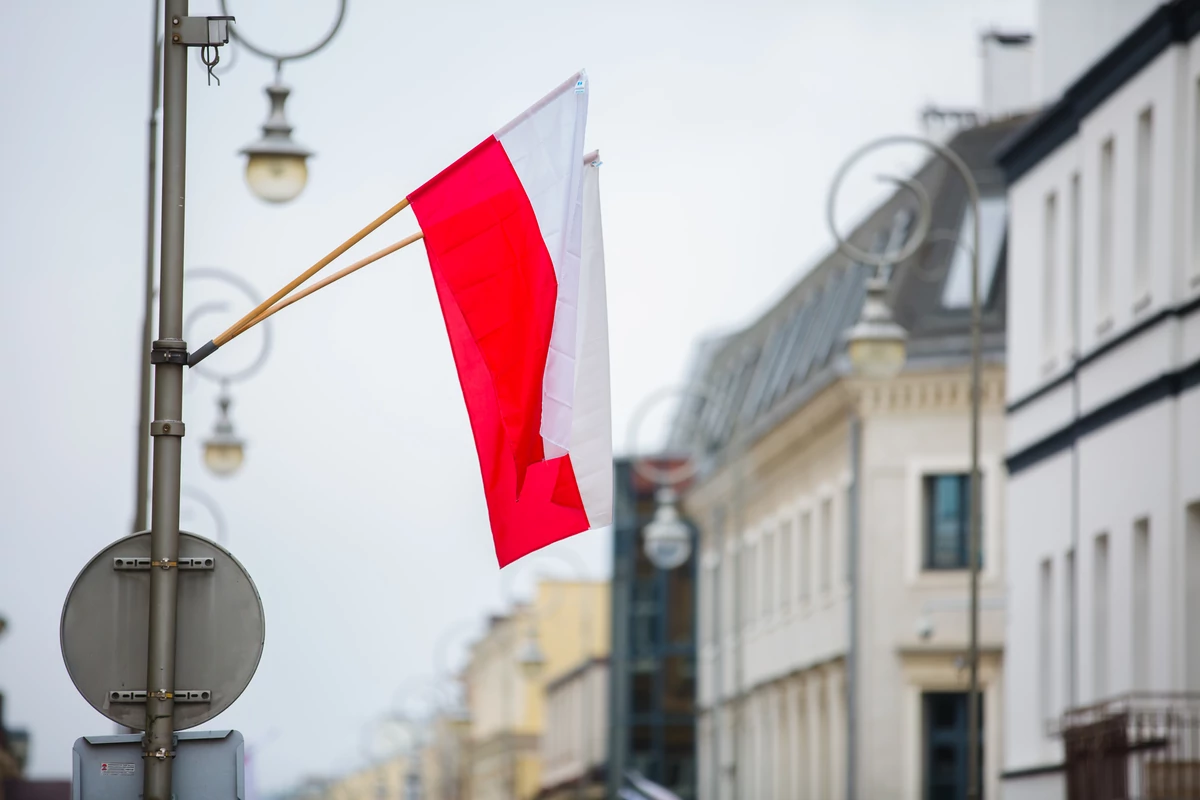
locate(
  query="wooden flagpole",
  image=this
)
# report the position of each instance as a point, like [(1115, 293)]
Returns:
[(234, 329), (357, 265)]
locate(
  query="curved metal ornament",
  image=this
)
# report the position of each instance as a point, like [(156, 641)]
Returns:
[(280, 58), (246, 289), (924, 216)]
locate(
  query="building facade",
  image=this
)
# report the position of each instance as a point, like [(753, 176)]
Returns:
[(1103, 434), (652, 671), (805, 468), (567, 622), (575, 742)]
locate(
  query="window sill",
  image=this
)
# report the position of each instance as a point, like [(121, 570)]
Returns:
[(1195, 282), (1048, 366), (1142, 304), (1104, 327)]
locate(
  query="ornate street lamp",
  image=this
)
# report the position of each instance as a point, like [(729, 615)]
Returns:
[(876, 348), (223, 450), (668, 540), (276, 166)]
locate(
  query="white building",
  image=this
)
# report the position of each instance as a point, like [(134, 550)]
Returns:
[(574, 742), (794, 449), (1103, 433)]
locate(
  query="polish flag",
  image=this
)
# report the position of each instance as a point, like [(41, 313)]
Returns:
[(513, 234)]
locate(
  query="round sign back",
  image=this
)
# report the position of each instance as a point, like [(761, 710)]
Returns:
[(220, 631)]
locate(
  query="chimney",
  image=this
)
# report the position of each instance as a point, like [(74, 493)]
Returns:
[(1008, 74)]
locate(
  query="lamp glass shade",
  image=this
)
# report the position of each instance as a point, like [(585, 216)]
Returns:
[(276, 177), (224, 456), (668, 541), (881, 357)]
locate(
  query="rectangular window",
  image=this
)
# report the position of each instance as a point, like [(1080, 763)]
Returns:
[(849, 517), (993, 224), (768, 575), (1100, 649), (826, 556), (1143, 197), (947, 521), (806, 556), (1049, 273), (1196, 185), (1046, 639), (1191, 582), (1141, 605), (785, 566), (1068, 610), (1104, 262), (945, 744), (750, 585), (1073, 269)]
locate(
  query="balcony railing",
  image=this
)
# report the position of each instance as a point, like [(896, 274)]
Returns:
[(1134, 747)]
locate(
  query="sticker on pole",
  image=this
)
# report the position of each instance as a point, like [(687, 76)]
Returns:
[(120, 769)]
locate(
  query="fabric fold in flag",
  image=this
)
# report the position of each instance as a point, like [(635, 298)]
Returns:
[(512, 230)]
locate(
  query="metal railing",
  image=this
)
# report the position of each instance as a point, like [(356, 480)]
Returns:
[(1140, 746)]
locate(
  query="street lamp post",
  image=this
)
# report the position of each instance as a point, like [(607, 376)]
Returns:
[(876, 348), (168, 354)]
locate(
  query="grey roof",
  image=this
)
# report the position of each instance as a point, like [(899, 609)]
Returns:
[(745, 383)]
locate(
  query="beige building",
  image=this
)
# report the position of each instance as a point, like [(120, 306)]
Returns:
[(566, 623), (798, 457), (382, 781)]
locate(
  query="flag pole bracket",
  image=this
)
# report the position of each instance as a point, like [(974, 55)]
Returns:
[(169, 351)]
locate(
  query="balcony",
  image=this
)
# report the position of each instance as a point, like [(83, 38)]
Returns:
[(1134, 747)]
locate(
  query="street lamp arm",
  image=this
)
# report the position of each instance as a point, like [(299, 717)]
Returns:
[(924, 217), (280, 58)]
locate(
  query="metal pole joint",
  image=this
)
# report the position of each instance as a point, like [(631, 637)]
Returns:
[(167, 427)]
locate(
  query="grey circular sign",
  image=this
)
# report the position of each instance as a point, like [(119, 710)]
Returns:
[(219, 640)]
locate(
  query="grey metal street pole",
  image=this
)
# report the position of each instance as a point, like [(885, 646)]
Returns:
[(973, 546), (167, 427), (143, 428)]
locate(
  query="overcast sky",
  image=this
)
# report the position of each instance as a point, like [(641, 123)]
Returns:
[(359, 511)]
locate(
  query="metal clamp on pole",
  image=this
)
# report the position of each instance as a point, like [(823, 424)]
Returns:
[(201, 31), (169, 351)]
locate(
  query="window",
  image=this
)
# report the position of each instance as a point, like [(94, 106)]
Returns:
[(1069, 625), (785, 566), (750, 585), (1196, 185), (1104, 271), (993, 221), (1046, 639), (768, 575), (851, 511), (1073, 269), (1141, 604), (1049, 268), (826, 533), (945, 739), (806, 559), (947, 521), (1143, 198), (1100, 649), (1191, 581)]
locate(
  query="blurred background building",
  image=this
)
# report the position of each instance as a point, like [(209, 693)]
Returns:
[(652, 686)]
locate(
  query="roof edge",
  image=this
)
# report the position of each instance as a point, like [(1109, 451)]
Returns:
[(1171, 23)]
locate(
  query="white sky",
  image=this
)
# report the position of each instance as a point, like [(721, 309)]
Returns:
[(359, 511)]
